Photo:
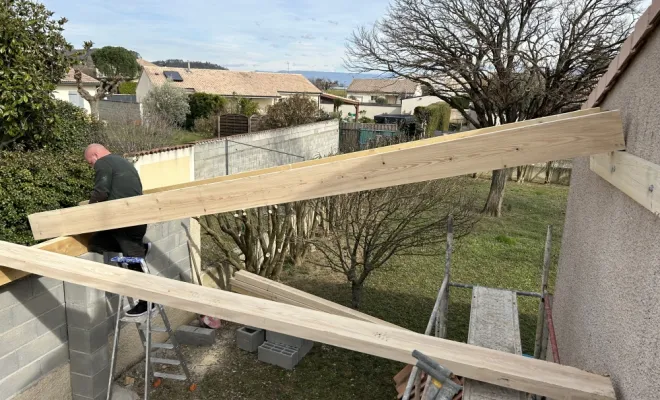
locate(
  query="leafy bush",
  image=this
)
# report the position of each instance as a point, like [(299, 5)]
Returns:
[(39, 180), (205, 125), (292, 111), (32, 61), (241, 105), (127, 87), (462, 101), (203, 105), (381, 100), (435, 116), (166, 103), (73, 129)]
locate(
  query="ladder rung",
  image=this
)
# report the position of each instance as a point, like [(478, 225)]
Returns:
[(170, 376), (143, 327), (165, 361), (161, 345)]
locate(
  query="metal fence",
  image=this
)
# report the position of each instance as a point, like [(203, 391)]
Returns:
[(356, 136)]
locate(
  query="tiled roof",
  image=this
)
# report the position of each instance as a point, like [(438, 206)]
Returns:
[(249, 84), (145, 63), (644, 26), (68, 79), (158, 150), (382, 86), (331, 96)]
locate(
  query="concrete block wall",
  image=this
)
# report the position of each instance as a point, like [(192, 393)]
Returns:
[(118, 111), (319, 139), (33, 332)]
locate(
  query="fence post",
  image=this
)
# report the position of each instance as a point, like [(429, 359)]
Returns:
[(217, 126), (226, 157)]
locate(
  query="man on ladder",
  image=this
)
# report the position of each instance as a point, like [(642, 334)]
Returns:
[(117, 178)]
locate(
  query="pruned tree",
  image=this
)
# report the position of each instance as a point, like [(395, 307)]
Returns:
[(513, 60), (366, 229), (116, 64)]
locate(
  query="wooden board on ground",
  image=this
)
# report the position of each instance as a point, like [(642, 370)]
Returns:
[(418, 161), (71, 246), (634, 176), (509, 370), (276, 291), (493, 325)]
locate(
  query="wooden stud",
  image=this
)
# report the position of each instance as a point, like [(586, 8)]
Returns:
[(634, 176), (473, 362), (419, 161)]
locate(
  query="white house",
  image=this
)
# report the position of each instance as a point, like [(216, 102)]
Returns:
[(265, 88), (67, 89), (393, 91)]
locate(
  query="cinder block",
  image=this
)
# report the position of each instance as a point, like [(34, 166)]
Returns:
[(23, 312), (165, 245), (179, 253), (50, 320), (89, 363), (41, 284), (249, 339), (89, 340), (81, 296), (86, 317), (276, 354), (275, 337), (41, 345), (8, 364), (89, 386), (195, 336), (54, 358), (15, 292), (20, 379)]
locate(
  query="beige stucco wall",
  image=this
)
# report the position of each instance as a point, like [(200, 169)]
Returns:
[(166, 168), (62, 93), (607, 298)]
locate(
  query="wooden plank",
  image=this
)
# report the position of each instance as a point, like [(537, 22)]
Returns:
[(281, 291), (71, 246), (521, 373), (493, 325), (371, 169), (634, 176), (249, 290)]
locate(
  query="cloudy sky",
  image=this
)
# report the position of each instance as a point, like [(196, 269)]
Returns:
[(239, 34)]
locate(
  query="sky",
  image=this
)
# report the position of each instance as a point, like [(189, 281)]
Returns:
[(240, 35)]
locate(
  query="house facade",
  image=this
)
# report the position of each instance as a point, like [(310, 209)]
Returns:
[(264, 88), (67, 89), (392, 91)]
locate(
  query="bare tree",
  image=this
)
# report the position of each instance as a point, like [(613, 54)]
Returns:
[(514, 60), (124, 135), (368, 228)]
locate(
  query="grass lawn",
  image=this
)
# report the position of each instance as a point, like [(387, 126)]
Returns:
[(504, 252)]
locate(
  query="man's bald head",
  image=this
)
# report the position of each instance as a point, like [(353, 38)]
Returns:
[(95, 151)]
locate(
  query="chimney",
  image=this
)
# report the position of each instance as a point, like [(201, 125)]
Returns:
[(188, 69)]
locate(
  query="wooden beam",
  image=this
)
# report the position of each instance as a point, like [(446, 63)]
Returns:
[(422, 160), (634, 176), (491, 366), (249, 283), (71, 246)]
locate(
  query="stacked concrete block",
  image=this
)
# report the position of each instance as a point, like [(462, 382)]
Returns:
[(278, 354), (249, 338), (303, 345), (195, 335), (89, 319), (33, 335), (169, 255)]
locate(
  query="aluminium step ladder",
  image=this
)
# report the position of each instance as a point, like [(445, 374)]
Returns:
[(145, 330)]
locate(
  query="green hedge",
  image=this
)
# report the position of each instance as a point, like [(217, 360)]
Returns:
[(37, 181), (203, 105), (127, 87), (51, 177)]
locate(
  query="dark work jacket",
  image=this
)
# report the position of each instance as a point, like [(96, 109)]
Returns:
[(116, 178)]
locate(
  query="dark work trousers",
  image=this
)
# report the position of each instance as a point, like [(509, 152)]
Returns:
[(127, 241)]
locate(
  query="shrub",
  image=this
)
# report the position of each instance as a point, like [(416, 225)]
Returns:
[(166, 103), (292, 111), (203, 105), (436, 116), (40, 180), (241, 105), (206, 125), (126, 136), (127, 87), (381, 100), (73, 129)]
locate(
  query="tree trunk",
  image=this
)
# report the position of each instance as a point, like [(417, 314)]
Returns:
[(496, 195), (94, 106), (356, 289)]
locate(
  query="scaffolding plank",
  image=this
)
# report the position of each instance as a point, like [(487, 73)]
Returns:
[(418, 161), (491, 366), (494, 325)]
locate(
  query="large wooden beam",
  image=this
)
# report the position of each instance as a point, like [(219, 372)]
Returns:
[(248, 283), (634, 176), (71, 246), (499, 368), (390, 166)]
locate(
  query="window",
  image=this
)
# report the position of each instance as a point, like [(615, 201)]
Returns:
[(76, 99)]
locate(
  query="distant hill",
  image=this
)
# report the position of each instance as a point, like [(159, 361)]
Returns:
[(344, 78), (176, 63)]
